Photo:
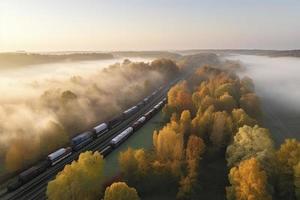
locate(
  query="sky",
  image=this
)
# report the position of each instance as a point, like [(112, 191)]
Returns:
[(105, 25)]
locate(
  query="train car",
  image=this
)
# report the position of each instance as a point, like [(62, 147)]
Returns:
[(59, 155), (28, 175), (149, 114), (129, 112), (100, 129), (116, 141), (153, 94), (82, 140), (115, 121), (137, 124), (106, 151), (13, 185), (33, 172), (146, 100), (165, 100), (140, 104)]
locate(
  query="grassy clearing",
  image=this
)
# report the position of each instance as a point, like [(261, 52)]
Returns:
[(140, 139)]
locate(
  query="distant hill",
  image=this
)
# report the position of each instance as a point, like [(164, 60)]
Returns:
[(24, 59), (147, 54), (272, 53)]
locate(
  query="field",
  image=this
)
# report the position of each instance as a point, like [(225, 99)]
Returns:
[(140, 139)]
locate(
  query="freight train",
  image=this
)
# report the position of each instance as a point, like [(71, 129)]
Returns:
[(83, 139)]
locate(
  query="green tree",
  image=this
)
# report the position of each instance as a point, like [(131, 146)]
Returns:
[(120, 191), (80, 180), (288, 157), (252, 142)]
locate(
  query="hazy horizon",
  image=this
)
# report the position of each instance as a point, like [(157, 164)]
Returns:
[(143, 25)]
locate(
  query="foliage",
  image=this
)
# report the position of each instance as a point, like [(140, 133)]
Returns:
[(288, 157), (120, 191), (248, 182), (80, 180), (251, 142)]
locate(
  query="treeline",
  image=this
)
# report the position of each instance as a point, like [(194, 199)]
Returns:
[(23, 59), (67, 107)]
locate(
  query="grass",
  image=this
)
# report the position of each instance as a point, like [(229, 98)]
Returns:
[(140, 139)]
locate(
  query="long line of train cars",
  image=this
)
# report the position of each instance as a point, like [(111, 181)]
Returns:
[(81, 140)]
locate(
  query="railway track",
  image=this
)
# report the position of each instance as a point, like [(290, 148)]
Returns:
[(36, 188)]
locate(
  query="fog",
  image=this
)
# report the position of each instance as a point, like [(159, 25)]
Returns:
[(42, 106), (277, 78), (277, 82), (23, 79)]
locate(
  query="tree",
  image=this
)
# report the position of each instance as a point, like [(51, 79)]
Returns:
[(227, 102), (248, 182), (134, 165), (252, 142), (251, 104), (227, 88), (80, 180), (288, 157), (185, 124), (297, 180), (241, 118), (120, 191), (179, 98), (221, 130), (188, 183)]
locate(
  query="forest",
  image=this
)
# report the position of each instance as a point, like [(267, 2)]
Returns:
[(213, 146)]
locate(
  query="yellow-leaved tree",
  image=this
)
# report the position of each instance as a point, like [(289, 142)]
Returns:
[(80, 180), (120, 191), (248, 182), (288, 157)]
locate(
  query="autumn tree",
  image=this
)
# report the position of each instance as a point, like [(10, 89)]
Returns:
[(251, 105), (134, 165), (188, 184), (297, 180), (221, 130), (227, 102), (252, 142), (248, 182), (179, 99), (80, 180), (241, 118), (120, 191), (288, 157)]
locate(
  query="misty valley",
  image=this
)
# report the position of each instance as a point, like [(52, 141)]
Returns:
[(223, 118)]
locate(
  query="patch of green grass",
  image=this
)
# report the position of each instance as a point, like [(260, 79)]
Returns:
[(140, 139)]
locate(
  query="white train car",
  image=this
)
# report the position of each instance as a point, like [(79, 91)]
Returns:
[(121, 137), (100, 129), (59, 155)]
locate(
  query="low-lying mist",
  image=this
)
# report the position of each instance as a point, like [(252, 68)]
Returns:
[(40, 113), (276, 79)]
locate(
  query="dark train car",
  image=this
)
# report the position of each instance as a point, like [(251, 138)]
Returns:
[(137, 124), (129, 112), (13, 185), (82, 140), (115, 121), (106, 151), (140, 104), (149, 114)]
